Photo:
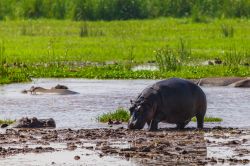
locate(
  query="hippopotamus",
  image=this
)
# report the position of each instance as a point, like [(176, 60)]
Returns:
[(34, 123), (172, 100), (237, 82), (245, 83), (58, 86), (218, 81), (59, 89)]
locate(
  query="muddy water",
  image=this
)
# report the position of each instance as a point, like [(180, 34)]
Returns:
[(65, 157), (100, 96)]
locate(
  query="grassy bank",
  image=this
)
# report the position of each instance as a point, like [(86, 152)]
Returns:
[(54, 48), (119, 72)]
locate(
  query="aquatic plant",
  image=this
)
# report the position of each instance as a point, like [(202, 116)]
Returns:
[(209, 119), (7, 121), (120, 115)]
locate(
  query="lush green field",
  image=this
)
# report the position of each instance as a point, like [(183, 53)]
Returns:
[(53, 48), (52, 40)]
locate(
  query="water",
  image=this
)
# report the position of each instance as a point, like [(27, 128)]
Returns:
[(101, 96), (65, 157)]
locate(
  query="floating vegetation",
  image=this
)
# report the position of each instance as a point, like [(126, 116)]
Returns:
[(119, 115), (209, 119), (7, 121)]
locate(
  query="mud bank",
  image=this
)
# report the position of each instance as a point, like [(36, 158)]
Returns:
[(166, 146)]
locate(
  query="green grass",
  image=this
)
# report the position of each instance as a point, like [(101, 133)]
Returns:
[(42, 40), (123, 115), (7, 121), (50, 48), (120, 114), (209, 119)]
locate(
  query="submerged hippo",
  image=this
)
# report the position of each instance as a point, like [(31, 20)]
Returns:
[(218, 81), (34, 123), (58, 86), (241, 84), (59, 89), (173, 100)]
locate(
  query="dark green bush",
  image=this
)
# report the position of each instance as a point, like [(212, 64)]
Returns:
[(123, 9)]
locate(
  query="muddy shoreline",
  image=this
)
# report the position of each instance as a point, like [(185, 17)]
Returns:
[(166, 146)]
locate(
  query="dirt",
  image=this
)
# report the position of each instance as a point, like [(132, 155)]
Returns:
[(166, 146)]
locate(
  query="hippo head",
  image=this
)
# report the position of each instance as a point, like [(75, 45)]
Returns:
[(140, 112)]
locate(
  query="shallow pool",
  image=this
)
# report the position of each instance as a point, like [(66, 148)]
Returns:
[(100, 96)]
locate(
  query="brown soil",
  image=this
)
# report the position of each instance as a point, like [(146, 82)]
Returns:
[(166, 146)]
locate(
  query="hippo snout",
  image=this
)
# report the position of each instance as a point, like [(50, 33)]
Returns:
[(131, 124), (135, 124)]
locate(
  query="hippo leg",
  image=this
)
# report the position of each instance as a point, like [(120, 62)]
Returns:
[(181, 125), (154, 125), (200, 120)]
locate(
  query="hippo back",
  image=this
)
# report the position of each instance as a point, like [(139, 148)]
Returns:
[(179, 99)]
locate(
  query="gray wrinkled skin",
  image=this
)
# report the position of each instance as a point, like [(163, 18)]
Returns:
[(58, 89), (173, 100)]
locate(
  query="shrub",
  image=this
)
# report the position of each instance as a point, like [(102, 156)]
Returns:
[(227, 30), (167, 59)]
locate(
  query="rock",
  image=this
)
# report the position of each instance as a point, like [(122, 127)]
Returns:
[(77, 157), (4, 125), (71, 146), (217, 61), (26, 122), (145, 149)]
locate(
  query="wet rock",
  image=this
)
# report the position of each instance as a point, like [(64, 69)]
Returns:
[(217, 61), (89, 147), (144, 149), (26, 122), (213, 160), (184, 152), (77, 157), (71, 146), (218, 128), (129, 149), (4, 125), (178, 148), (244, 140), (233, 142)]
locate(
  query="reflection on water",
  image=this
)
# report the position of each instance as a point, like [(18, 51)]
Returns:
[(87, 157), (99, 96)]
